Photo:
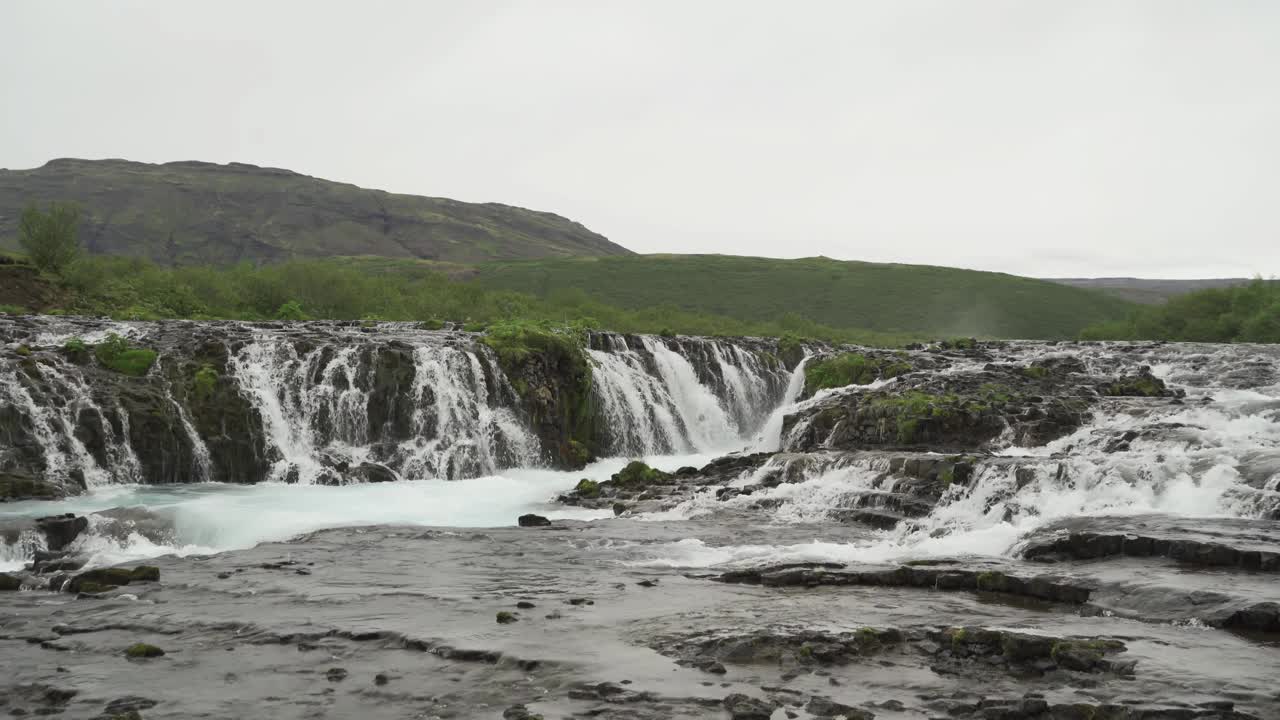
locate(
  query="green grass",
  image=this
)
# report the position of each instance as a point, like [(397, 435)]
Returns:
[(914, 300), (850, 369), (116, 354), (343, 289)]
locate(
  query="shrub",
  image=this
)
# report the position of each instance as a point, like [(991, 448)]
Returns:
[(50, 238), (292, 311)]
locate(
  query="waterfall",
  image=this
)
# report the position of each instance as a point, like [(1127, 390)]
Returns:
[(53, 421), (319, 417), (653, 400), (457, 430), (770, 437)]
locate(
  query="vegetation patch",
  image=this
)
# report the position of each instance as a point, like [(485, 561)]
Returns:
[(850, 369), (638, 475), (587, 488), (912, 410), (205, 381), (143, 650), (1244, 313), (810, 296), (1142, 385), (116, 354)]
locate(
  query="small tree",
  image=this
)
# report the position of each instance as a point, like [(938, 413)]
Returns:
[(51, 238)]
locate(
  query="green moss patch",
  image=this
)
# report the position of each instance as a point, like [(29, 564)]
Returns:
[(850, 369), (116, 354), (143, 650)]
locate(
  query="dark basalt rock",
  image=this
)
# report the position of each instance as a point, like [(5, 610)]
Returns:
[(823, 707), (1087, 545), (532, 520), (20, 484), (9, 582), (742, 707), (957, 412), (1059, 590), (103, 579), (61, 530), (1140, 384)]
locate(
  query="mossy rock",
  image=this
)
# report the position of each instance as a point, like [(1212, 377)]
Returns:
[(577, 455), (639, 475), (143, 650), (9, 582), (851, 369), (117, 355), (104, 579), (587, 488), (506, 618), (1144, 384), (1035, 372)]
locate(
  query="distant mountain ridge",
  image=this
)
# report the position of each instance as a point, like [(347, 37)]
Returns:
[(192, 212), (1147, 291)]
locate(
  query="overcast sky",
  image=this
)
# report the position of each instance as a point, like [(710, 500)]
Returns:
[(1042, 138)]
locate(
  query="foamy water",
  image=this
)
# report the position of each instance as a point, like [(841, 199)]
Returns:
[(213, 517)]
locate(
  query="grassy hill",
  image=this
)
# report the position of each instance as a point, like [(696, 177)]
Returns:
[(1145, 291), (915, 299), (188, 213)]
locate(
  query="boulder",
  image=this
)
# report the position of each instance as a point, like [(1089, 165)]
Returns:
[(532, 520), (742, 707), (61, 530)]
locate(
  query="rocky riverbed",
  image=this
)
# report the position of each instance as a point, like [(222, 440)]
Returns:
[(999, 530)]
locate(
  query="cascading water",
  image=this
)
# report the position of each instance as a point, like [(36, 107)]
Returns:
[(457, 430), (654, 400), (1215, 454), (320, 410), (346, 405)]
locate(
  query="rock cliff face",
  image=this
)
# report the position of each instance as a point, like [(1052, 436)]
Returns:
[(194, 212), (336, 403)]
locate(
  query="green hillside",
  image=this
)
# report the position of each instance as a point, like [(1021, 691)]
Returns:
[(1243, 313), (194, 213), (916, 299)]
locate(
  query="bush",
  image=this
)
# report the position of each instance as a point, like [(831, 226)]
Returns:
[(1245, 313), (50, 238), (116, 354), (291, 310)]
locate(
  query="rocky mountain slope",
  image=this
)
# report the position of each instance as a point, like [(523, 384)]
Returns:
[(195, 212)]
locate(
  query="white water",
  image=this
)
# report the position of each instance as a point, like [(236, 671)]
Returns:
[(1195, 474), (213, 517), (655, 401), (315, 407)]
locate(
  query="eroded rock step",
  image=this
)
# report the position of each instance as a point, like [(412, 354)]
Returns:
[(1229, 543)]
